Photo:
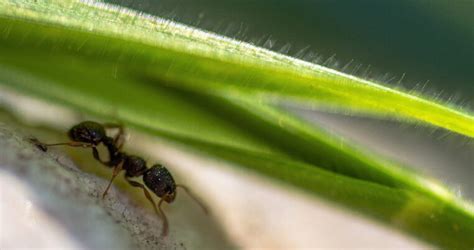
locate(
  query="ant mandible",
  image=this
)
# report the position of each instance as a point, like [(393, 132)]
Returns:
[(89, 134)]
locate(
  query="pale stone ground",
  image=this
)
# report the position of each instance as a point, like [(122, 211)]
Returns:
[(47, 202)]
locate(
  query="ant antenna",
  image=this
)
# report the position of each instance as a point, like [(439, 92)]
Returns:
[(194, 197), (165, 220), (44, 146), (114, 174), (71, 144)]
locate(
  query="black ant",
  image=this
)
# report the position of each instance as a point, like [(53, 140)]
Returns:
[(89, 134)]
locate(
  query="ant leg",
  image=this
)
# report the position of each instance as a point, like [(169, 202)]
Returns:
[(194, 197), (158, 210), (114, 174), (147, 194), (119, 139), (165, 220), (95, 153)]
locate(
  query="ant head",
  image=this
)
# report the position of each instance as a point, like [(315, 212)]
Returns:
[(134, 166), (88, 132), (159, 180)]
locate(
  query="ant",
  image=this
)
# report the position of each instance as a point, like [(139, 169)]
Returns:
[(89, 134)]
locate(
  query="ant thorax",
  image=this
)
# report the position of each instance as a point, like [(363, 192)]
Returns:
[(134, 166)]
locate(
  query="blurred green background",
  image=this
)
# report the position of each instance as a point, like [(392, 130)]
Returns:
[(425, 41)]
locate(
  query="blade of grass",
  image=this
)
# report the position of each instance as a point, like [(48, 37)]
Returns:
[(100, 93), (206, 62), (222, 120), (308, 143)]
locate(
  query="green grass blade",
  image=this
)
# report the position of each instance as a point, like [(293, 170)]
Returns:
[(222, 120), (125, 99), (185, 56)]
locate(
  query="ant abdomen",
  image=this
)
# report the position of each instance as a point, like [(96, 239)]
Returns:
[(88, 132), (161, 182), (134, 166)]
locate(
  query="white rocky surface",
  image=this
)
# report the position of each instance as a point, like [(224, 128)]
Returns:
[(47, 202)]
